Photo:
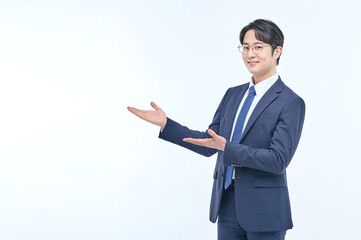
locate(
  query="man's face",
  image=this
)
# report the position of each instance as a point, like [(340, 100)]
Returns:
[(262, 64)]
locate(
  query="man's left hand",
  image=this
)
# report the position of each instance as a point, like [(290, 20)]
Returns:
[(216, 142)]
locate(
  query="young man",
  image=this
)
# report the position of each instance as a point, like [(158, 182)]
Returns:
[(255, 131)]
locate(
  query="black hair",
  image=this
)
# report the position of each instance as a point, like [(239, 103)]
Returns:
[(266, 31)]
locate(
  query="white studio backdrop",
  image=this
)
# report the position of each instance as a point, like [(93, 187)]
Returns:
[(75, 164)]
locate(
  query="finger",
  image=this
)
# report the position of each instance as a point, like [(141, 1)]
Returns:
[(190, 140), (155, 106), (212, 133), (132, 109), (201, 142), (138, 112)]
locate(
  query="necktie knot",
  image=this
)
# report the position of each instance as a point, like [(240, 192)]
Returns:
[(252, 91)]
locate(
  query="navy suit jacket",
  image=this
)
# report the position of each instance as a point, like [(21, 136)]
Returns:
[(266, 148)]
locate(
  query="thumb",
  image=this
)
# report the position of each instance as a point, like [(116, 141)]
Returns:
[(155, 106), (212, 133)]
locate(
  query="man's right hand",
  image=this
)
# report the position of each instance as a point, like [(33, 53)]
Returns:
[(156, 117)]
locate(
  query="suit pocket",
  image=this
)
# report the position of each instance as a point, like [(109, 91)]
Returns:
[(270, 181)]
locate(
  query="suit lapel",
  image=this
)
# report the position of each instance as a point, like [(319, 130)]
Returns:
[(266, 100), (233, 110)]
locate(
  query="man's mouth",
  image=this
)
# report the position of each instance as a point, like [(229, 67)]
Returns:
[(252, 63)]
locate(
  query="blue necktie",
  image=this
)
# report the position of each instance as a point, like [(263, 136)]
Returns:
[(237, 133)]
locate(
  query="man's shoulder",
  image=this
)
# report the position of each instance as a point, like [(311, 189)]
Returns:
[(287, 90), (235, 91), (291, 96), (238, 87)]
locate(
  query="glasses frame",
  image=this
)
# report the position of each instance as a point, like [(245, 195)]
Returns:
[(240, 49)]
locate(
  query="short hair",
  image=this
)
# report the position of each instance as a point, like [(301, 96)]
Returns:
[(266, 31)]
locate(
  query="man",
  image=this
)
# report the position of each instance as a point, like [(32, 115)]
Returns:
[(255, 131)]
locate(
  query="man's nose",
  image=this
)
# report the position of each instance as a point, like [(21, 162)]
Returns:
[(250, 53)]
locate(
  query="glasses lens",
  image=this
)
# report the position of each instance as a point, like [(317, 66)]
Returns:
[(243, 48), (257, 48), (240, 48)]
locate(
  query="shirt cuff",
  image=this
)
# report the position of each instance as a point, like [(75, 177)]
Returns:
[(161, 130)]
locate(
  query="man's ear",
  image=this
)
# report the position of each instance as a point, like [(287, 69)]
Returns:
[(277, 52)]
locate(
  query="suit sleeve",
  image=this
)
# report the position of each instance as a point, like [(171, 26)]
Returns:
[(283, 144), (175, 132)]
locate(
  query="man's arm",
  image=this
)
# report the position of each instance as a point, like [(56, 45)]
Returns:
[(176, 133), (277, 156), (284, 141)]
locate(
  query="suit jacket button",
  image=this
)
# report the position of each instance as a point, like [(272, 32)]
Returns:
[(222, 175)]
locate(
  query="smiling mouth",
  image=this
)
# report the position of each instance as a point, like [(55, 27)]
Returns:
[(252, 63)]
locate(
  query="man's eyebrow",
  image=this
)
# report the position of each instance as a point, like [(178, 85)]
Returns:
[(245, 43)]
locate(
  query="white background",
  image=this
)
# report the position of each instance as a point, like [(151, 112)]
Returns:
[(75, 164)]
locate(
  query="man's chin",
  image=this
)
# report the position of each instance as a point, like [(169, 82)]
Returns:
[(253, 71)]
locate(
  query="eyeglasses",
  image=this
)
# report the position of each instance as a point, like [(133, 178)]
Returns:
[(256, 47)]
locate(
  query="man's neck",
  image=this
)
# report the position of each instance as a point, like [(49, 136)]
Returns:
[(257, 79)]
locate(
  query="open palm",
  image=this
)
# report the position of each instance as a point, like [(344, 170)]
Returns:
[(156, 116)]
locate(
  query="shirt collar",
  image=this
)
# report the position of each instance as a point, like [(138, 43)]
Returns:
[(264, 85)]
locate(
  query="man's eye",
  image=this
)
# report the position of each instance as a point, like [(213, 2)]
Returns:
[(245, 48), (258, 47)]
